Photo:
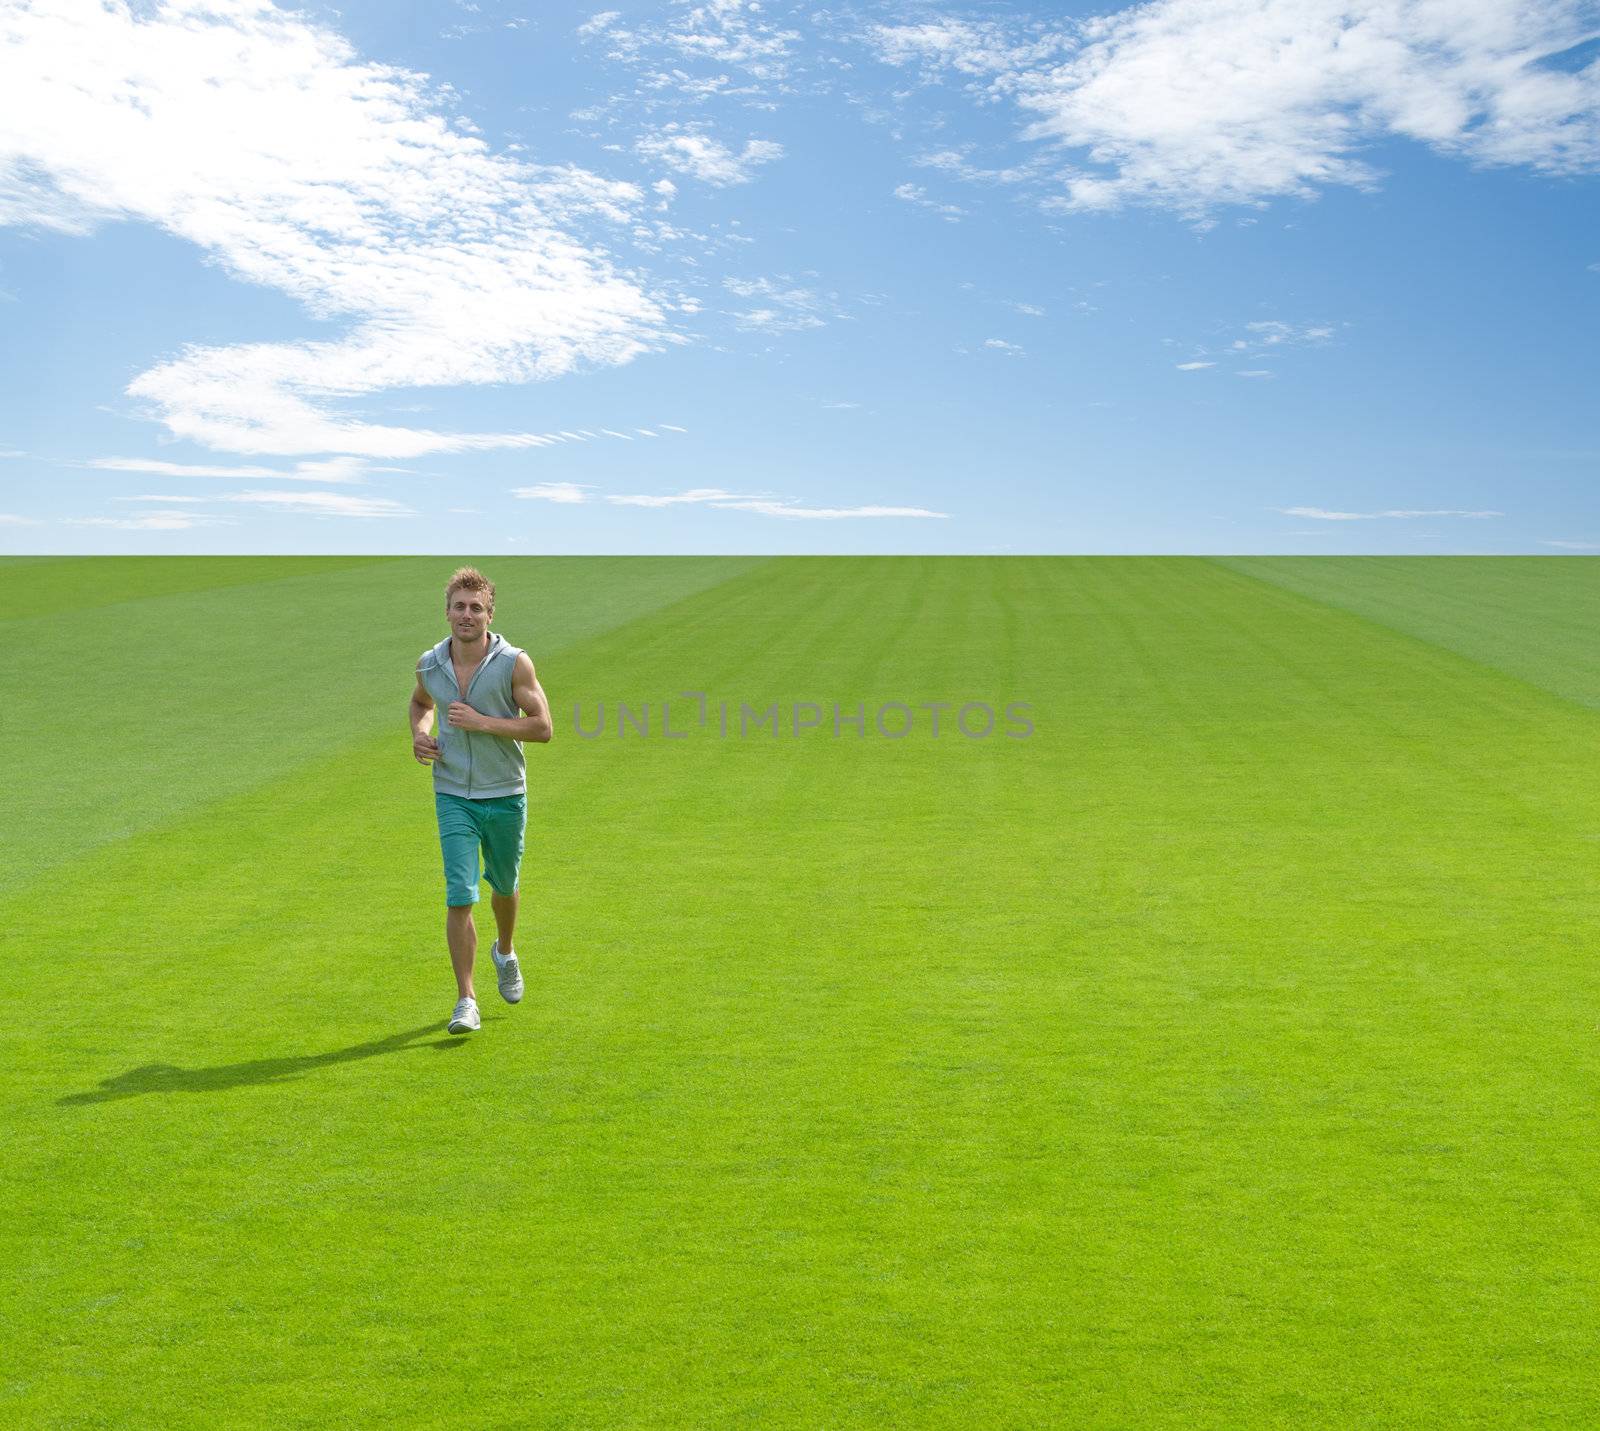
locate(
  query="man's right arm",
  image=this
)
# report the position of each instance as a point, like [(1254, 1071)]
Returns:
[(423, 745)]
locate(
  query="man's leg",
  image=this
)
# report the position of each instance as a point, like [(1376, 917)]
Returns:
[(505, 918), (458, 838), (504, 823), (462, 934), (502, 854)]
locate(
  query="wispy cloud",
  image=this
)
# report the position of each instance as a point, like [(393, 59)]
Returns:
[(11, 519), (172, 521), (263, 139), (302, 503), (774, 320), (338, 469), (826, 514), (1574, 546), (1190, 104), (1000, 345), (959, 162), (166, 498), (1322, 514), (766, 506), (1267, 338), (694, 494), (734, 34), (916, 194), (1272, 333), (688, 149), (563, 492), (321, 504), (783, 308), (979, 49)]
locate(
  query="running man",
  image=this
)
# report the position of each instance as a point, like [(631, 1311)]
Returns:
[(492, 701)]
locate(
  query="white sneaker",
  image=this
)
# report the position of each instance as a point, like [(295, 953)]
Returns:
[(510, 974), (465, 1019)]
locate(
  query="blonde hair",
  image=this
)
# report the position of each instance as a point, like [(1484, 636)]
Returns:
[(473, 580)]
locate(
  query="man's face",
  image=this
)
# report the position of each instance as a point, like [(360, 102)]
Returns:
[(468, 612)]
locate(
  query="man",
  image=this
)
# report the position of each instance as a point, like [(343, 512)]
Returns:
[(492, 701)]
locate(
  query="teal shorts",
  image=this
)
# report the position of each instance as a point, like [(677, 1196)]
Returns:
[(468, 826)]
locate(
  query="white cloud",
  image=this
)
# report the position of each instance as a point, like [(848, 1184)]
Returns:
[(597, 25), (977, 48), (1272, 333), (321, 504), (152, 522), (776, 321), (1000, 345), (1575, 546), (564, 492), (335, 469), (785, 509), (261, 138), (916, 194), (169, 498), (959, 162), (695, 494), (338, 469), (766, 506), (1267, 337), (11, 519), (697, 89), (785, 309), (1321, 514), (689, 150), (732, 33), (1194, 103)]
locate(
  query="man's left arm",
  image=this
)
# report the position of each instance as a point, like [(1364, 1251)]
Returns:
[(535, 724)]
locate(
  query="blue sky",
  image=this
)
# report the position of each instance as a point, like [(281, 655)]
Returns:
[(1194, 276)]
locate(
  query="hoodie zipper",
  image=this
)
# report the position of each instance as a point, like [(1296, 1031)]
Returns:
[(467, 733)]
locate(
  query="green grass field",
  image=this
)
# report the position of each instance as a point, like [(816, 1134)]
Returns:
[(1226, 1054)]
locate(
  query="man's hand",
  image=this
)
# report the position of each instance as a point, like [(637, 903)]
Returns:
[(424, 747), (461, 716)]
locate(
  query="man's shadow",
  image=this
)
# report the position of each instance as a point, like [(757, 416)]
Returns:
[(166, 1078)]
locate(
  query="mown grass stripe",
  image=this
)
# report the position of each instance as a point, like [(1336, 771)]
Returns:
[(130, 714), (1528, 617)]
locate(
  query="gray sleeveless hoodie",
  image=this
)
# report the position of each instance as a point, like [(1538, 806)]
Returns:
[(473, 763)]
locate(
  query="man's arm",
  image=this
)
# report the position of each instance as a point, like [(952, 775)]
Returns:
[(535, 725), (423, 745)]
